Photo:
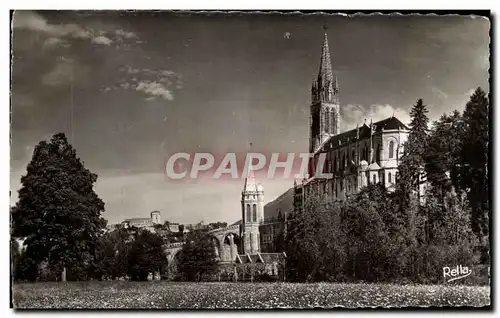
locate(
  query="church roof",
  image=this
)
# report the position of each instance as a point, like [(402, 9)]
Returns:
[(390, 123), (364, 132)]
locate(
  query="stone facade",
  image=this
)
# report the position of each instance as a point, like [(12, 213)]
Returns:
[(273, 225), (252, 214), (355, 159), (240, 244)]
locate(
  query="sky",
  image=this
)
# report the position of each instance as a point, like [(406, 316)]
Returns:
[(130, 88)]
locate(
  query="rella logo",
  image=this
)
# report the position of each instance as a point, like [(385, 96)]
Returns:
[(456, 273)]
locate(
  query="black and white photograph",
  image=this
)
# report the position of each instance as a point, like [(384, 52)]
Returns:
[(250, 160)]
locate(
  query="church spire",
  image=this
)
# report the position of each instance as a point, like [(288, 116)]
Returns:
[(325, 75), (250, 183), (325, 106)]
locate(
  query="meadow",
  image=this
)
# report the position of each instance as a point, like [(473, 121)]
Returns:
[(164, 295)]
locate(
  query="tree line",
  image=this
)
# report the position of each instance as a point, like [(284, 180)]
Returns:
[(406, 234)]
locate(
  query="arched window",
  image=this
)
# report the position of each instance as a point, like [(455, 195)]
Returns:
[(255, 212), (389, 177), (249, 213), (391, 149), (353, 158), (329, 122), (343, 161)]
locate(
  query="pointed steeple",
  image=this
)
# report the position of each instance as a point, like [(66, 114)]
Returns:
[(250, 182), (325, 87), (325, 75)]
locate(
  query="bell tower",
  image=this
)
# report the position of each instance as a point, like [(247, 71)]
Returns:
[(324, 120), (252, 208)]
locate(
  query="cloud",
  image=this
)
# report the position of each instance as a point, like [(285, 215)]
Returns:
[(101, 39), (154, 89), (32, 21), (154, 83), (124, 34), (351, 115)]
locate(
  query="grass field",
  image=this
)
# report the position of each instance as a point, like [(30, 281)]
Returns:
[(160, 294)]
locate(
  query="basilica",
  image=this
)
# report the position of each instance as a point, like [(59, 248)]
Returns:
[(367, 154)]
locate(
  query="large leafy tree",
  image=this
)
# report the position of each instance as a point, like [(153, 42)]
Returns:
[(303, 249), (15, 255), (474, 160), (367, 238), (145, 255), (443, 153), (111, 257), (58, 212), (197, 258), (442, 163)]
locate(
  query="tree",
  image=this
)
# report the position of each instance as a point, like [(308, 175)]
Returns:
[(15, 254), (197, 259), (366, 235), (58, 212), (145, 255), (26, 268), (452, 240), (217, 225), (111, 257), (442, 164), (442, 158), (411, 171), (302, 247), (474, 161), (413, 162)]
